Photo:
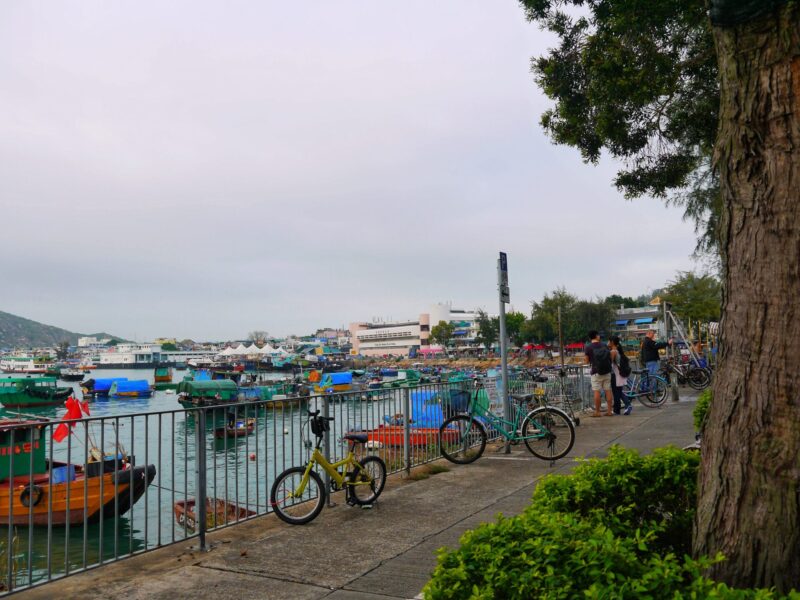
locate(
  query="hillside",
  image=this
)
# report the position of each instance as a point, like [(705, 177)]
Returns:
[(18, 332)]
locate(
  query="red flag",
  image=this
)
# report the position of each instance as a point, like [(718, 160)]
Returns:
[(85, 407), (73, 412)]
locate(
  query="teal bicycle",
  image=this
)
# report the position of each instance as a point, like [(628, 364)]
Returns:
[(546, 431), (650, 390)]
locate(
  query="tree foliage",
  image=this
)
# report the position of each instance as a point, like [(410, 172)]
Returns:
[(514, 327), (615, 301), (695, 297), (442, 333), (259, 337), (637, 79), (62, 350), (544, 314), (169, 347), (488, 330)]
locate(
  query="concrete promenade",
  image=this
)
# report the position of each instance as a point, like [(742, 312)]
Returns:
[(386, 552)]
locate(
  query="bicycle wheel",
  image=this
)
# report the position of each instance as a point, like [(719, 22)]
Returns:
[(367, 480), (698, 379), (461, 439), (297, 510), (548, 432), (654, 393)]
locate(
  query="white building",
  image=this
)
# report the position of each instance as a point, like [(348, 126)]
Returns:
[(87, 342), (464, 321), (394, 339), (131, 354), (398, 339)]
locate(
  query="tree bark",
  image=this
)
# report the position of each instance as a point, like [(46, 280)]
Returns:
[(749, 495)]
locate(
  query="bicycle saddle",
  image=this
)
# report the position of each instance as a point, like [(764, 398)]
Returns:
[(359, 438), (522, 397), (639, 371)]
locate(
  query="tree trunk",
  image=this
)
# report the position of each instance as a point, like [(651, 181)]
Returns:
[(749, 498)]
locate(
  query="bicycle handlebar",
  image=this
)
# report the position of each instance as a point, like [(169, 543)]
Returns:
[(315, 414)]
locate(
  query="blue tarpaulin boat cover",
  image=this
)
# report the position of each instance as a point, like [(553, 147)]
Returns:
[(426, 409), (338, 378), (644, 320), (388, 372), (104, 384), (622, 322), (137, 385)]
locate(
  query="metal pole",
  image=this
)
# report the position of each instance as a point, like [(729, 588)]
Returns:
[(200, 506), (326, 412), (562, 372), (407, 430), (503, 353), (673, 378)]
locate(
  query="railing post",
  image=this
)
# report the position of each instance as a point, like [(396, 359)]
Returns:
[(407, 429), (200, 472), (326, 412)]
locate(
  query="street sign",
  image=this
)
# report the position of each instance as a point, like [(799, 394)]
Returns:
[(503, 263), (505, 294)]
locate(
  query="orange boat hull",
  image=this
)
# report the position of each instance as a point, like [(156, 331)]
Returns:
[(393, 435), (83, 493)]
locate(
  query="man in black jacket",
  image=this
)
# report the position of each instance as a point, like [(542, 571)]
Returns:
[(650, 350)]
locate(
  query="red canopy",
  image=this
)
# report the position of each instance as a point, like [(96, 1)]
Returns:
[(574, 346)]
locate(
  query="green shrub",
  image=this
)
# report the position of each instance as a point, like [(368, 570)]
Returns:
[(627, 491), (618, 527), (552, 555), (701, 408)]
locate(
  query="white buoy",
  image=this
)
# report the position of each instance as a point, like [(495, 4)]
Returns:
[(285, 432)]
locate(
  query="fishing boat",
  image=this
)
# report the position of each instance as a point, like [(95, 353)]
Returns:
[(162, 375), (94, 388), (334, 382), (218, 512), (207, 392), (32, 392), (70, 374), (236, 428), (394, 436), (135, 388), (35, 491), (426, 418)]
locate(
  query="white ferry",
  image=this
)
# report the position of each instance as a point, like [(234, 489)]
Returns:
[(25, 364)]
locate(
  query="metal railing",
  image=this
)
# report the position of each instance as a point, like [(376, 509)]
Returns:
[(125, 484)]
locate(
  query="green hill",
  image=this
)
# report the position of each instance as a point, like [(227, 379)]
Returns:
[(18, 332)]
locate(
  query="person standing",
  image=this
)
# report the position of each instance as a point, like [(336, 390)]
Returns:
[(650, 355), (598, 356), (619, 365)]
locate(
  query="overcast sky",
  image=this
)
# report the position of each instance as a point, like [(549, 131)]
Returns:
[(204, 169)]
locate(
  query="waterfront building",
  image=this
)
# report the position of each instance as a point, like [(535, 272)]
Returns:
[(130, 355), (464, 321), (404, 337), (88, 342), (395, 339)]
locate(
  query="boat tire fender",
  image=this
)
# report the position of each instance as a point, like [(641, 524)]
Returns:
[(31, 495)]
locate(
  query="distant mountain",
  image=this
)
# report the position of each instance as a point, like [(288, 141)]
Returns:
[(18, 332)]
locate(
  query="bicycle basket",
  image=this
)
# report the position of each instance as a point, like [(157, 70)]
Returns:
[(319, 425), (459, 400)]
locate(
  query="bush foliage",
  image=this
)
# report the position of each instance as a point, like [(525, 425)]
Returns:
[(618, 527), (701, 409)]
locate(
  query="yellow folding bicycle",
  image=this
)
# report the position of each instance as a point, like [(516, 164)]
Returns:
[(298, 493)]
